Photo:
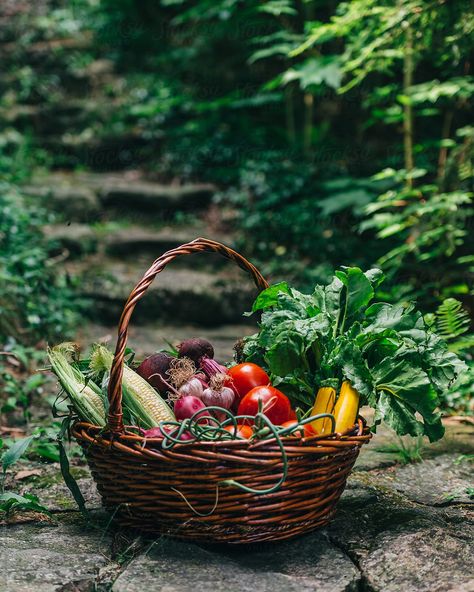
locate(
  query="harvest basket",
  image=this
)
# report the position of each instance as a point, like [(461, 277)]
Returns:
[(180, 491)]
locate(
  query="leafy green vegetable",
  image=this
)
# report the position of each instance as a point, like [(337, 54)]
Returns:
[(388, 352), (10, 502)]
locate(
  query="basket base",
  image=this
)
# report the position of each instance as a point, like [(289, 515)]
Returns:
[(232, 535)]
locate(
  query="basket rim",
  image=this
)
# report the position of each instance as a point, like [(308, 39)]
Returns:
[(99, 436)]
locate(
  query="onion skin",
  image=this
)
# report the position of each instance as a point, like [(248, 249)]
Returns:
[(210, 367), (193, 387), (220, 398)]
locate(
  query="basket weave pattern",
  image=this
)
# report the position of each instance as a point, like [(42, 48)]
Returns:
[(180, 492)]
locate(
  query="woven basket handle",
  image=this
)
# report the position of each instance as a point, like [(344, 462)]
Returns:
[(199, 245)]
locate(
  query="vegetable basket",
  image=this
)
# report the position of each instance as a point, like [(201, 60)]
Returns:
[(184, 491)]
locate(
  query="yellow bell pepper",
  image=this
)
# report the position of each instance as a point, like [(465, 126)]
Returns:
[(346, 408), (324, 403)]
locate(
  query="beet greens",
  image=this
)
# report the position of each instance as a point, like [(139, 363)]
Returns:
[(393, 359)]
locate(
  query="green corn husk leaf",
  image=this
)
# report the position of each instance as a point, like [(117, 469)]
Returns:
[(84, 394), (140, 400)]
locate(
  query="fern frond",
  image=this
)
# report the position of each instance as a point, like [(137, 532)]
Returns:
[(451, 319)]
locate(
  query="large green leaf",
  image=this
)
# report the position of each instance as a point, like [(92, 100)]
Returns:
[(359, 292), (269, 297), (408, 388), (15, 452), (444, 367), (399, 416), (346, 357), (286, 354)]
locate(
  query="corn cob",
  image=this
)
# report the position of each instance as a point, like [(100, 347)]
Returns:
[(324, 403), (140, 399), (84, 395)]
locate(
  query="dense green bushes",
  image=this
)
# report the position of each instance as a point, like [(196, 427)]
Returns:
[(296, 106), (37, 302)]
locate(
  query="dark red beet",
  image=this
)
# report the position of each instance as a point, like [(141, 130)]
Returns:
[(150, 368), (195, 349)]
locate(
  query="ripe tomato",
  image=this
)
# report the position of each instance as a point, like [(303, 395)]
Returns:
[(293, 414), (306, 430), (243, 431), (247, 376), (275, 405)]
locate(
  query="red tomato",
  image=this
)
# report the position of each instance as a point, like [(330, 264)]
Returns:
[(306, 430), (247, 376), (293, 414), (243, 431), (275, 405)]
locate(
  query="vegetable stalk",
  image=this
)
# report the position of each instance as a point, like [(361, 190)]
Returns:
[(346, 408), (324, 403)]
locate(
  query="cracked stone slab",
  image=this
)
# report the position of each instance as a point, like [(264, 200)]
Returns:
[(45, 559), (437, 481), (304, 565), (402, 545), (430, 560)]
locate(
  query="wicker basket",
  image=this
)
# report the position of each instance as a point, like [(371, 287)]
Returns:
[(179, 491)]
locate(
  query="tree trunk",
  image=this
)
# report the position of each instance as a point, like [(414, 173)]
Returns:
[(408, 68)]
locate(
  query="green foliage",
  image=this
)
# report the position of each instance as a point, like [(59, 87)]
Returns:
[(405, 452), (392, 358), (15, 452), (452, 320), (296, 225), (11, 502), (453, 324), (37, 301), (387, 47)]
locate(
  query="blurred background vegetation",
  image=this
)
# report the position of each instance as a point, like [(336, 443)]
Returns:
[(308, 134)]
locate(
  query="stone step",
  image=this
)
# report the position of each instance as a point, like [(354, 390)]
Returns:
[(75, 203), (68, 116), (74, 240), (147, 339), (207, 298), (134, 241), (89, 197), (142, 244), (152, 196), (117, 150)]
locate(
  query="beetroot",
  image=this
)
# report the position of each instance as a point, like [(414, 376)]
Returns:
[(155, 432), (160, 433), (152, 368), (195, 349), (187, 406)]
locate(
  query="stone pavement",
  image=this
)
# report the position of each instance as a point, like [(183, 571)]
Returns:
[(398, 528)]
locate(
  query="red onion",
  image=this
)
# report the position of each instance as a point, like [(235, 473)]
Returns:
[(192, 387), (211, 367), (186, 407), (218, 395)]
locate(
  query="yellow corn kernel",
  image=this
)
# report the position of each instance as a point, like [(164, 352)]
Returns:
[(149, 401)]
